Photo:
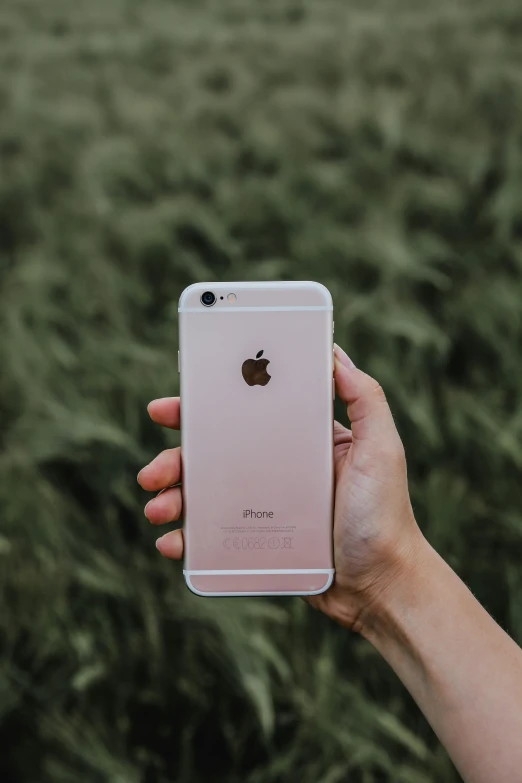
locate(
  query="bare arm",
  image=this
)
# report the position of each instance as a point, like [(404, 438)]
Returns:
[(462, 669)]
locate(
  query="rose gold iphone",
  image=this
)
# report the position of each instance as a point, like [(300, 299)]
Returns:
[(257, 437)]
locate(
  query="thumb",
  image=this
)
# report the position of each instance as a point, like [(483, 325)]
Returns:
[(368, 409)]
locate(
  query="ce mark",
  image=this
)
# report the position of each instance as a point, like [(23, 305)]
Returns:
[(227, 543)]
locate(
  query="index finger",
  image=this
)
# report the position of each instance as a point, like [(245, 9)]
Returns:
[(165, 411)]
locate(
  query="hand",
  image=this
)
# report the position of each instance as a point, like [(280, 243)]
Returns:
[(376, 538)]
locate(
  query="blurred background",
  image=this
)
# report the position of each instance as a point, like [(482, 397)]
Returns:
[(372, 145)]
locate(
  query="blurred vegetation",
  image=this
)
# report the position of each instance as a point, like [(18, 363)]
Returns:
[(374, 146)]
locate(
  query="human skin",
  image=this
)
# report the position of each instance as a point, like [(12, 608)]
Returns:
[(463, 670)]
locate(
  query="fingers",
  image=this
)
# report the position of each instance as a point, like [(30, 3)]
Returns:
[(162, 472), (165, 411), (341, 434), (171, 545), (165, 507), (368, 410)]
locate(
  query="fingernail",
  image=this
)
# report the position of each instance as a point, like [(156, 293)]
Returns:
[(159, 545), (146, 507), (141, 471), (343, 357)]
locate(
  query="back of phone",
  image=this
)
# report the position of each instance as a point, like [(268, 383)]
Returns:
[(256, 369)]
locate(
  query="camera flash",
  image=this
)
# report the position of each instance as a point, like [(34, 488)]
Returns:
[(231, 297)]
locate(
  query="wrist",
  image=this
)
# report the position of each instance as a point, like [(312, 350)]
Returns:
[(391, 596)]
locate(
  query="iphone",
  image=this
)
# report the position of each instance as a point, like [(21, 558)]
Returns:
[(256, 365)]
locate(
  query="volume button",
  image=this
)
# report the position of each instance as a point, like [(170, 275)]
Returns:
[(178, 362), (333, 388)]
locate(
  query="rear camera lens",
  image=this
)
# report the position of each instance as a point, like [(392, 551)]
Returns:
[(208, 299)]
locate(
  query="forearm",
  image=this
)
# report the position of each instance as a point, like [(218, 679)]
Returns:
[(464, 672)]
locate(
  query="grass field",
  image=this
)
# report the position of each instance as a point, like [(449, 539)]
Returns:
[(144, 145)]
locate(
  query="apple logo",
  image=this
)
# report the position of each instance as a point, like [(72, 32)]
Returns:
[(254, 370)]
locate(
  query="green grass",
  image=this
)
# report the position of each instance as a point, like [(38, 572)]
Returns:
[(373, 146)]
